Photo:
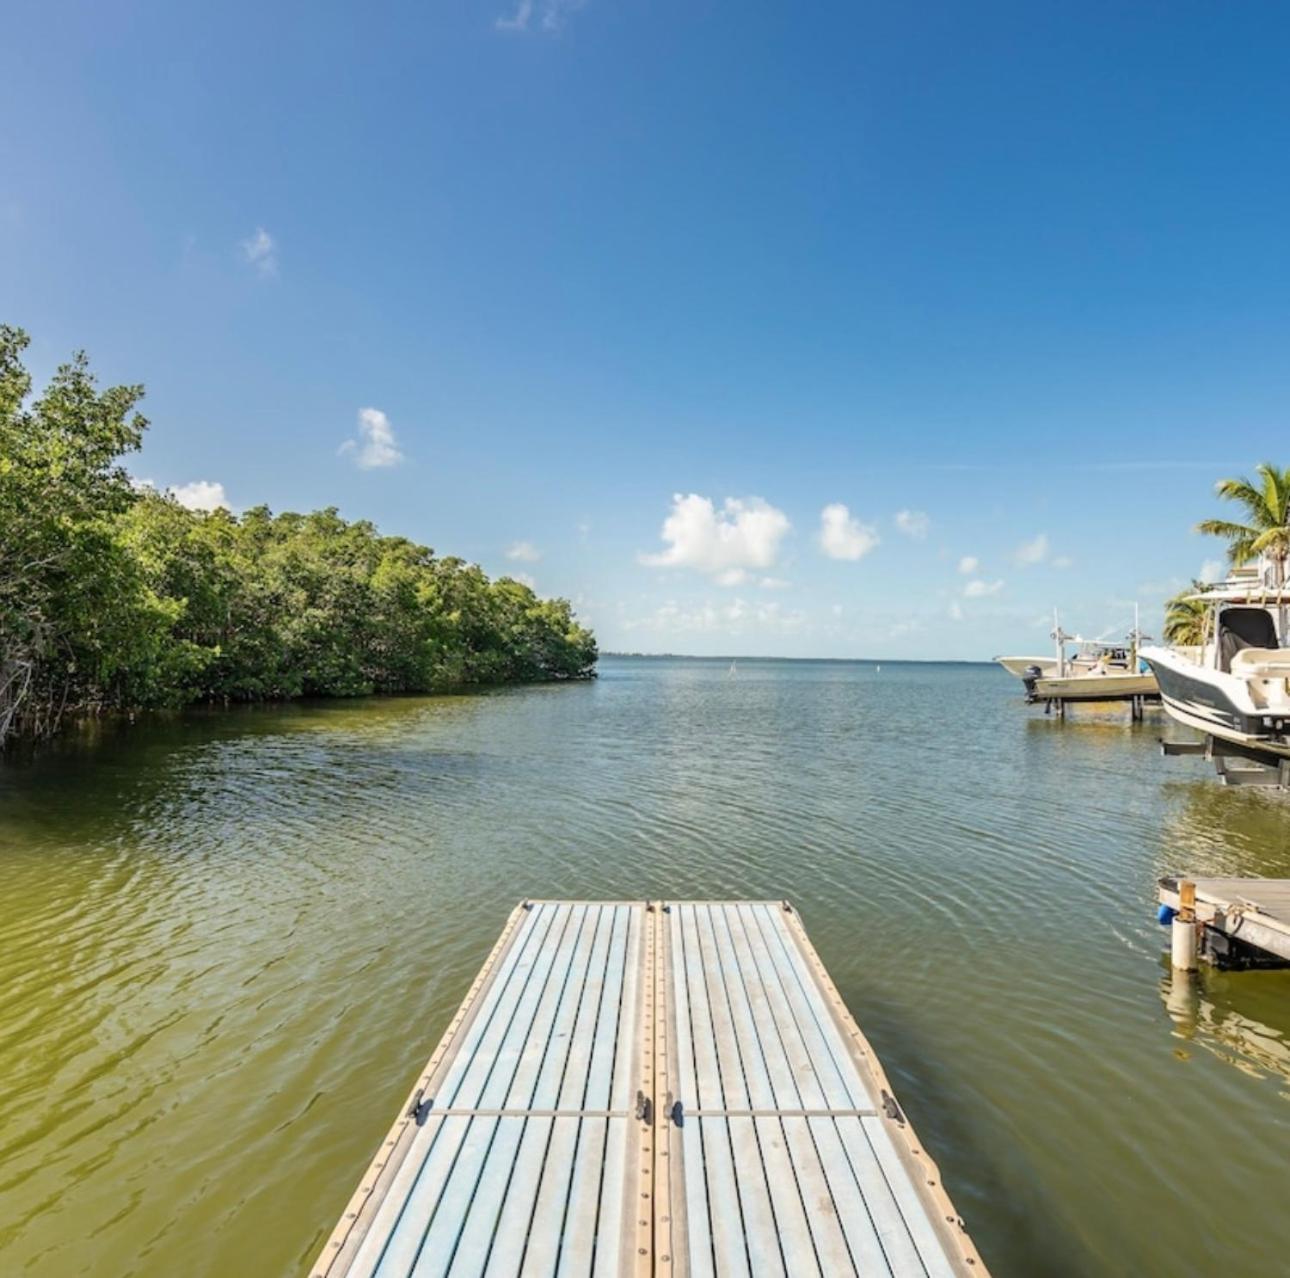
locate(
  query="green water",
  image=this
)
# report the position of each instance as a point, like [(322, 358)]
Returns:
[(229, 941)]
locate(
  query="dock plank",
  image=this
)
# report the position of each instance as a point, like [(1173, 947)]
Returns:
[(770, 1047), (545, 1118)]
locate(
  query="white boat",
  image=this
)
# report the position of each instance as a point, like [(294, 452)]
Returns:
[(1235, 684), (1084, 669), (1021, 666)]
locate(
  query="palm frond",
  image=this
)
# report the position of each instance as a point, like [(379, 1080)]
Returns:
[(1225, 528), (1243, 491), (1278, 538), (1276, 490)]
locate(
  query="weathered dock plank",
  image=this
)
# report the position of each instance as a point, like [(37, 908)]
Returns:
[(636, 1088), (1254, 912)]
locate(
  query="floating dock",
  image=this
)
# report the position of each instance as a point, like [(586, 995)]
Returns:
[(651, 1088), (1238, 922)]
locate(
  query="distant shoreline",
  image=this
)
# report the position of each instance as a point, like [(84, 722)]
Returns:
[(838, 661)]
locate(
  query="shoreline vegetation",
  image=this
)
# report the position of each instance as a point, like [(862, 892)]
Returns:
[(115, 598)]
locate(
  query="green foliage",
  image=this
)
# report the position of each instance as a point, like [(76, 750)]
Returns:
[(119, 598), (1185, 616), (1267, 509)]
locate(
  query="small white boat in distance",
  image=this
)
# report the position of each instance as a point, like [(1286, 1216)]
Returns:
[(1091, 670)]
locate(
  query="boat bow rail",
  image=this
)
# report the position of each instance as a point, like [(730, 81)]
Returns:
[(651, 1088)]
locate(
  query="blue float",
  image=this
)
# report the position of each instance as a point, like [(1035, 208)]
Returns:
[(1165, 915)]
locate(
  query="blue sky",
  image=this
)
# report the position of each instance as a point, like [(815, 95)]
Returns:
[(573, 275)]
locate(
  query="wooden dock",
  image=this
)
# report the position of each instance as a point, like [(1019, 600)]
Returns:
[(651, 1088), (1244, 922)]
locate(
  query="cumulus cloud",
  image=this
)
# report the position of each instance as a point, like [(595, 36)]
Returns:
[(260, 251), (1212, 570), (201, 494), (774, 583), (745, 533), (844, 537), (1031, 552), (969, 564), (1063, 561), (978, 589), (524, 551), (956, 610), (375, 446), (913, 523), (524, 578)]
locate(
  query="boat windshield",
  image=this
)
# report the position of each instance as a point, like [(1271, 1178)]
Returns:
[(1240, 628)]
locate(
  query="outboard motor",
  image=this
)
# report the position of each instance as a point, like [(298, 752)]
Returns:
[(1028, 677)]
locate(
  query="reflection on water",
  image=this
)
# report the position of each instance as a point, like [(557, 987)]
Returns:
[(230, 939), (1220, 1012)]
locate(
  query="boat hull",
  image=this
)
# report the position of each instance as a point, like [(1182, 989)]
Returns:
[(1197, 698), (1096, 687), (1018, 666)]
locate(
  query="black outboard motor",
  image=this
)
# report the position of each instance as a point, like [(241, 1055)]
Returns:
[(1028, 677)]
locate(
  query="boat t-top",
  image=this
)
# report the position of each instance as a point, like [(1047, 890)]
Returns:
[(1235, 683), (1084, 669)]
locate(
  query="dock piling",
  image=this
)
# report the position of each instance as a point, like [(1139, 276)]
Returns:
[(1183, 947)]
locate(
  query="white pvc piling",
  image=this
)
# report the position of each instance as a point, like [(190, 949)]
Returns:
[(1183, 944)]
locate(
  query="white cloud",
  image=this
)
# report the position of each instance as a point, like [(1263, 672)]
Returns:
[(554, 15), (978, 588), (956, 610), (524, 551), (375, 446), (1063, 561), (556, 12), (969, 564), (201, 494), (745, 533), (261, 252), (736, 617), (913, 523), (1034, 551), (519, 20), (732, 577), (1212, 570), (774, 583), (844, 537), (523, 578)]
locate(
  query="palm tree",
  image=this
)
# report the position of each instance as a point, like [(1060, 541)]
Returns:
[(1185, 616), (1268, 508)]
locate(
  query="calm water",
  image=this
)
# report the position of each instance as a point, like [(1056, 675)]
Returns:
[(229, 941)]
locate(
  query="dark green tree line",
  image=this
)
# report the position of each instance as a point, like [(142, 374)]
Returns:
[(117, 598)]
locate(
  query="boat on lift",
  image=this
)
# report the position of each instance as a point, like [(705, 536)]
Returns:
[(1235, 684), (1085, 669)]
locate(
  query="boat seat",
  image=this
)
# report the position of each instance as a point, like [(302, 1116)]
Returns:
[(1262, 663)]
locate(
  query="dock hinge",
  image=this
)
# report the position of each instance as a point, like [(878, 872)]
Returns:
[(891, 1109), (419, 1108), (644, 1109)]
